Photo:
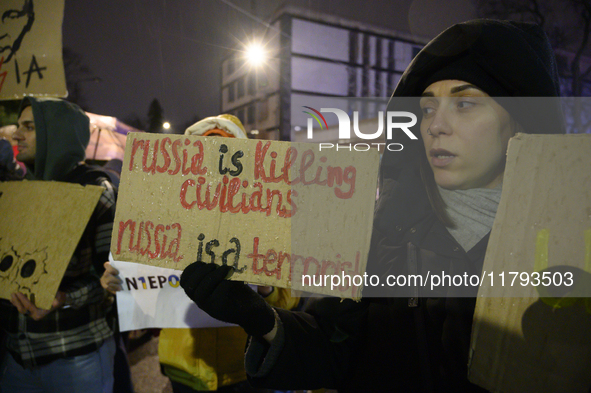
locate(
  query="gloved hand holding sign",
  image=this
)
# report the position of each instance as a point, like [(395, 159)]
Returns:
[(225, 300)]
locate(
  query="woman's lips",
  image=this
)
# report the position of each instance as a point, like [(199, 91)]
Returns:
[(441, 157)]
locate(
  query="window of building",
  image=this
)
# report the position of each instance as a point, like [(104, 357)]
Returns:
[(231, 65), (391, 63), (366, 66), (240, 115), (240, 87), (250, 114), (319, 40), (378, 51), (263, 110), (263, 80), (231, 96), (353, 46), (251, 84), (311, 75), (403, 53)]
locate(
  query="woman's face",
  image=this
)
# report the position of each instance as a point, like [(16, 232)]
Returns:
[(465, 133)]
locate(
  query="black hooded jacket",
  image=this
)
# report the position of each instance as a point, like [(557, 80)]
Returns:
[(413, 342), (80, 327), (62, 133)]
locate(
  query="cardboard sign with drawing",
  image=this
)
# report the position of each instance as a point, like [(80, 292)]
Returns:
[(31, 49), (41, 224)]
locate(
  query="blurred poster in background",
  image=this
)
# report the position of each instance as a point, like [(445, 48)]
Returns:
[(31, 49)]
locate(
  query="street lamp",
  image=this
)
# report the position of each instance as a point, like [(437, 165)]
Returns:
[(255, 54), (166, 125)]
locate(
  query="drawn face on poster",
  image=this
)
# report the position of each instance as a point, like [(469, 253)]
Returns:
[(16, 23), (39, 237), (31, 49), (22, 270)]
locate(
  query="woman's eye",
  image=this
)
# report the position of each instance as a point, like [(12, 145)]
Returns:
[(427, 110), (465, 104)]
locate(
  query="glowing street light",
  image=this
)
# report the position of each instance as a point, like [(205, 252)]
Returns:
[(255, 54), (166, 125)]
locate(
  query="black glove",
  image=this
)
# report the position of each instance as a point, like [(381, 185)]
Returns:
[(225, 300), (339, 318)]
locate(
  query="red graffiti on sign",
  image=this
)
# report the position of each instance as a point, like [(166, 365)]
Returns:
[(146, 238), (225, 196), (271, 264)]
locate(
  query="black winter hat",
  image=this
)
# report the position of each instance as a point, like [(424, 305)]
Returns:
[(511, 61)]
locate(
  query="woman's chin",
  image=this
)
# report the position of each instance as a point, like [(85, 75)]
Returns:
[(448, 183)]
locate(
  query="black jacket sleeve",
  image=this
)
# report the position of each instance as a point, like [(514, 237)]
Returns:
[(312, 349)]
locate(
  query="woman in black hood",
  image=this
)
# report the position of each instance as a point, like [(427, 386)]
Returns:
[(474, 85)]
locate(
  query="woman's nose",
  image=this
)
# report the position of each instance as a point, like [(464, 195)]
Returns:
[(440, 124)]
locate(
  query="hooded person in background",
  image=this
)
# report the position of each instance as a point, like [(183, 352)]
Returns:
[(207, 359), (70, 347), (438, 198)]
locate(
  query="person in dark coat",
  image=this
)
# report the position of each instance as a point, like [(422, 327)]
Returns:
[(474, 85), (69, 347)]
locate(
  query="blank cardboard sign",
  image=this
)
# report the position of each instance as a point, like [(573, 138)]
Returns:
[(267, 208), (41, 224), (541, 236)]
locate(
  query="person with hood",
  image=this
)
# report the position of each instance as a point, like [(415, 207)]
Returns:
[(473, 85), (70, 347), (207, 359)]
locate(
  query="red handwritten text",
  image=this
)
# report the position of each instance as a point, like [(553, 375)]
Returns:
[(226, 197), (331, 177), (146, 238), (159, 151), (271, 264)]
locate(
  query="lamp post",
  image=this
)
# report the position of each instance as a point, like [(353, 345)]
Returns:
[(255, 54)]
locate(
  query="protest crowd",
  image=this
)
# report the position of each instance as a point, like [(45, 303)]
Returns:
[(437, 202)]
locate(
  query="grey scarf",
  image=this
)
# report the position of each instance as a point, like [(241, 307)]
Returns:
[(473, 211)]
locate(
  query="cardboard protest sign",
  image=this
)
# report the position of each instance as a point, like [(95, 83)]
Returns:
[(31, 49), (532, 318), (267, 208), (41, 224)]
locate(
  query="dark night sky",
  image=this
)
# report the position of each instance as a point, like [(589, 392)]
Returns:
[(172, 49)]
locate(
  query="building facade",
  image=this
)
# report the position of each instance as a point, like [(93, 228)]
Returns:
[(311, 57), (314, 59)]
